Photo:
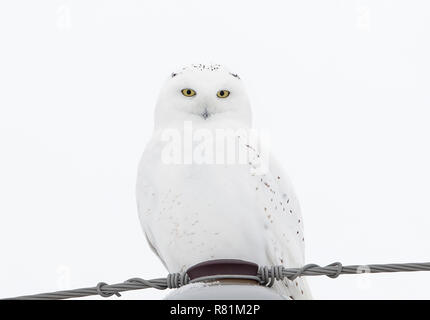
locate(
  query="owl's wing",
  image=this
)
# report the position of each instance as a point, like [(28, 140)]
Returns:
[(287, 243), (290, 233), (293, 219), (147, 194)]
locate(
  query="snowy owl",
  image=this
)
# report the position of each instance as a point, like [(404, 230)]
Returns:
[(196, 200)]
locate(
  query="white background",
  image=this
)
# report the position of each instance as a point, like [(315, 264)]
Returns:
[(343, 87)]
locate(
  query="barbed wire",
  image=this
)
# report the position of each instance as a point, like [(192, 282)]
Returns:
[(266, 276)]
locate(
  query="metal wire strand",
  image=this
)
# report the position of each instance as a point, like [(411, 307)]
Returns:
[(266, 276)]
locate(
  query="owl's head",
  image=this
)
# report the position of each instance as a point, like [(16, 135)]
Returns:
[(202, 94)]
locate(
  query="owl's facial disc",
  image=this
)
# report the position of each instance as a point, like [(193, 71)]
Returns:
[(205, 93)]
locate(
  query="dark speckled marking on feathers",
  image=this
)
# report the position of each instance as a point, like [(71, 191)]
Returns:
[(202, 67)]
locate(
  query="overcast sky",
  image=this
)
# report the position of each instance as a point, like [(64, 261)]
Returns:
[(342, 87)]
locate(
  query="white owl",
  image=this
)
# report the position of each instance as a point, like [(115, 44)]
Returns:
[(196, 200)]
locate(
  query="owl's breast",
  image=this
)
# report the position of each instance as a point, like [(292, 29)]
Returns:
[(206, 212)]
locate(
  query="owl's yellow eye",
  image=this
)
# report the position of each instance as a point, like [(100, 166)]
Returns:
[(188, 92), (223, 94)]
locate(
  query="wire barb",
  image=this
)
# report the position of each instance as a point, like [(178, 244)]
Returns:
[(100, 292)]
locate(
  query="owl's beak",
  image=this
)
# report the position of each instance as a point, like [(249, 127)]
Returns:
[(205, 114)]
